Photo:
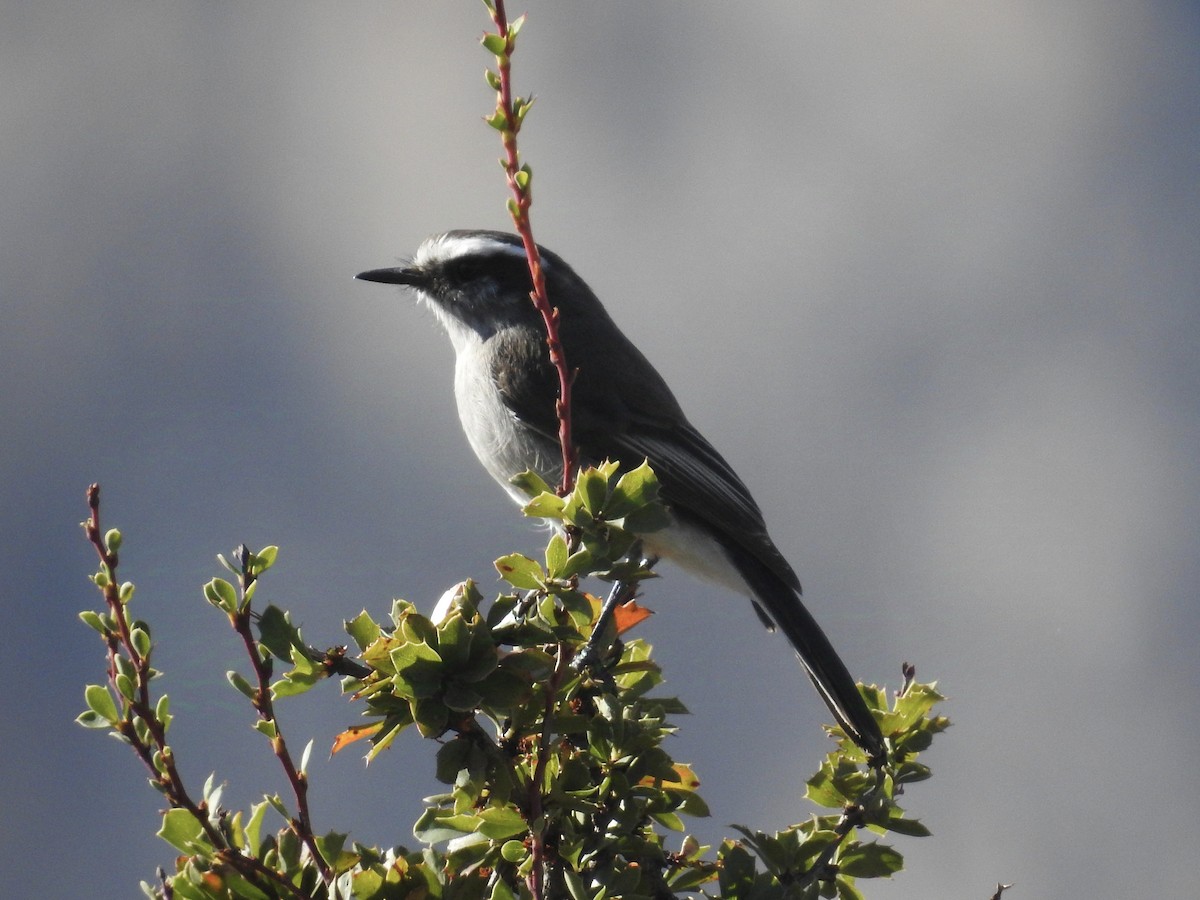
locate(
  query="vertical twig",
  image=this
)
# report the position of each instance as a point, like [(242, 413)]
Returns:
[(509, 114), (152, 748), (301, 825), (537, 874)]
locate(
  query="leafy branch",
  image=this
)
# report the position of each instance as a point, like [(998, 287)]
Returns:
[(558, 783), (236, 604), (127, 708)]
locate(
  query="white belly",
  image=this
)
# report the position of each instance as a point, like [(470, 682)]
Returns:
[(503, 446)]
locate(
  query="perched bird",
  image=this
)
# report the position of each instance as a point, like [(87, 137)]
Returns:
[(478, 284)]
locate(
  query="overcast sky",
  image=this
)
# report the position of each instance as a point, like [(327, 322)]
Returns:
[(927, 274)]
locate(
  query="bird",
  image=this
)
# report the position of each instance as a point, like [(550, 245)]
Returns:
[(478, 283)]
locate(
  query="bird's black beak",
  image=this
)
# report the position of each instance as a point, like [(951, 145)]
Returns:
[(409, 275)]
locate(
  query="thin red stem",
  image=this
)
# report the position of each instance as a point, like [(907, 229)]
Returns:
[(302, 825), (142, 707), (523, 199)]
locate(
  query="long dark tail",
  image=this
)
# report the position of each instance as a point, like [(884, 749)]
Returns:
[(779, 604)]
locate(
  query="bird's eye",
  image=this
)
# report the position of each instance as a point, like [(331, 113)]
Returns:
[(465, 269)]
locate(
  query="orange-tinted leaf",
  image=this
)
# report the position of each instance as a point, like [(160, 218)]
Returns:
[(630, 614), (352, 734), (685, 779)]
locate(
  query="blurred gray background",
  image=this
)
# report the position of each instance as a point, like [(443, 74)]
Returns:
[(927, 275)]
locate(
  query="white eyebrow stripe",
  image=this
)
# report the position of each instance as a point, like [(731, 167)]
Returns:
[(444, 247)]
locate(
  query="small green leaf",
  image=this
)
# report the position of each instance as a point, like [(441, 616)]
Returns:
[(454, 639), (431, 717), (124, 666), (823, 790), (692, 804), (100, 701), (295, 683), (419, 670), (212, 791), (140, 641), (901, 825), (910, 772), (388, 733), (592, 488), (556, 555), (221, 594), (263, 559), (546, 505), (253, 828), (521, 571), (578, 563), (872, 860), (266, 727), (647, 519), (412, 626), (670, 820), (112, 540), (162, 712), (499, 822), (94, 620), (634, 489), (526, 106), (494, 44), (363, 630), (575, 886), (278, 805), (513, 852), (529, 482), (914, 742), (92, 719), (331, 846), (492, 79), (125, 686), (452, 758), (181, 830), (241, 684), (277, 633), (874, 695), (438, 825)]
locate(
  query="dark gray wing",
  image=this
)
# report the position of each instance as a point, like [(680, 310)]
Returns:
[(627, 413)]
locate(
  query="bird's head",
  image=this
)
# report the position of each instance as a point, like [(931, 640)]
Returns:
[(477, 282)]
